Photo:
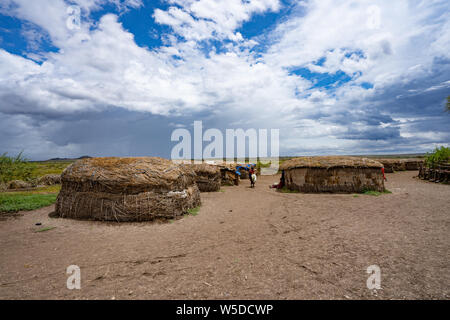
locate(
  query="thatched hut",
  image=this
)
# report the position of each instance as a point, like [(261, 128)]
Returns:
[(19, 184), (126, 189), (208, 177), (49, 179), (228, 174), (333, 174), (413, 164), (392, 165), (243, 172)]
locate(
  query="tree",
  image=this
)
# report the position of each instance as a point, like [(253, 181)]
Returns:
[(448, 104)]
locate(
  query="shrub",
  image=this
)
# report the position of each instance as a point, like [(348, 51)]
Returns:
[(439, 155), (15, 168)]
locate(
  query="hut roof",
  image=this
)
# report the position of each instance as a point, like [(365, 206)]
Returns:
[(330, 162), (397, 160), (230, 166), (205, 168), (125, 174)]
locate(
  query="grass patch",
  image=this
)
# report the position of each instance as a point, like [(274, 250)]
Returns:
[(15, 203), (45, 229), (376, 193), (194, 211), (28, 200), (355, 196)]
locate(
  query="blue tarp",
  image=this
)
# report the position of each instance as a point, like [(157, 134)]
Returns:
[(245, 167)]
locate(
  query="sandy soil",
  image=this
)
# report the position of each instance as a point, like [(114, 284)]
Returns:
[(245, 244)]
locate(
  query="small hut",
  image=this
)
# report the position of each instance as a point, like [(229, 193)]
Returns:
[(243, 172), (243, 169), (208, 177), (413, 164), (126, 189), (392, 165), (49, 180), (333, 174), (228, 174)]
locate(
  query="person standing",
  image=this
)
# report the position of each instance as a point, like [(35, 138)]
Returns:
[(251, 172), (384, 175)]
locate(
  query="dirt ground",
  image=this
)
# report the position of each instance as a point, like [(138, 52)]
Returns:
[(244, 244)]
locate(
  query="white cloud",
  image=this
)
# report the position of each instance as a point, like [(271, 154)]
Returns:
[(392, 36), (99, 66), (207, 19)]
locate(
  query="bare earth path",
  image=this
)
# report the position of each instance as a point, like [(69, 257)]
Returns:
[(244, 243)]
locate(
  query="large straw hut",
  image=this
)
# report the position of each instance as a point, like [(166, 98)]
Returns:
[(333, 174), (208, 177), (126, 189)]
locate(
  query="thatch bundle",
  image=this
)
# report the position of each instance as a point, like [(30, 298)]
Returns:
[(333, 174), (208, 177), (49, 180), (19, 184), (126, 189)]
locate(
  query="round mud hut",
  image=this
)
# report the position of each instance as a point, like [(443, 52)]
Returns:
[(208, 177), (333, 174), (126, 189)]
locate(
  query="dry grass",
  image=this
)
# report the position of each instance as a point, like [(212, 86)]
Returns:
[(330, 162)]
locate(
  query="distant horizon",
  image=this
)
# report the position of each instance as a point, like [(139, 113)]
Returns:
[(268, 158)]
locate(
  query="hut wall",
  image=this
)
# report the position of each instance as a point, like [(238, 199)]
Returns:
[(229, 178), (335, 180), (413, 164), (207, 182), (142, 206), (244, 173), (399, 165)]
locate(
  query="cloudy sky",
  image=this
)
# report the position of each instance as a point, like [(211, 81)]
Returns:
[(336, 77)]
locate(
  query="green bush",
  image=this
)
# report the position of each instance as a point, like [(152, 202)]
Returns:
[(439, 155), (15, 168)]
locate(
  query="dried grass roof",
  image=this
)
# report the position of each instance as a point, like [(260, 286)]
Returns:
[(330, 162), (120, 174), (230, 166), (205, 168), (397, 160)]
